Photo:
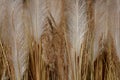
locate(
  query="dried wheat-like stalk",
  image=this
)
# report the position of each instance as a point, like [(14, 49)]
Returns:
[(59, 39)]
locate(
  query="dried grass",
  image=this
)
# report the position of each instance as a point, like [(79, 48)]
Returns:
[(50, 57), (107, 63)]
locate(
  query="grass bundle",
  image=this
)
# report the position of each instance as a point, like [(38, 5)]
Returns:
[(59, 40), (107, 63)]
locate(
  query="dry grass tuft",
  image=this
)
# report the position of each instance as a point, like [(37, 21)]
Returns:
[(107, 63), (55, 40)]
